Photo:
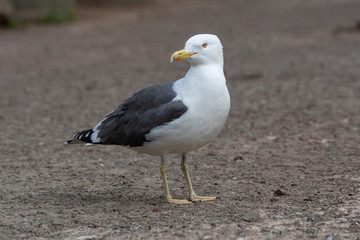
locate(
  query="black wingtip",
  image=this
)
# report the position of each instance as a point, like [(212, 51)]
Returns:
[(83, 136)]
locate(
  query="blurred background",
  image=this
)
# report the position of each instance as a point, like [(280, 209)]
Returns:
[(285, 166), (15, 13)]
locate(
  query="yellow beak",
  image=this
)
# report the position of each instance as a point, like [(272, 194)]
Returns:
[(179, 55)]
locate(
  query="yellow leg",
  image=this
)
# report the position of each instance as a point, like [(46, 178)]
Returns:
[(168, 197), (193, 197)]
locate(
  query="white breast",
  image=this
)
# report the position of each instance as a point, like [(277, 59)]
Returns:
[(205, 94)]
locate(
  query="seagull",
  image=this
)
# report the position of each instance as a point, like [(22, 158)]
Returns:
[(173, 117)]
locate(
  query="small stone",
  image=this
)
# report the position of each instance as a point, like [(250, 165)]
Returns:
[(95, 225), (238, 158), (86, 237), (240, 238), (279, 192), (329, 237), (312, 219), (61, 211), (271, 138), (252, 216), (125, 225), (324, 141)]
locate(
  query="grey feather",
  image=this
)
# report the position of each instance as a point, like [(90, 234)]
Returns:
[(137, 116)]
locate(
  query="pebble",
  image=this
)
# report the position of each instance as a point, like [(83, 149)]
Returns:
[(86, 237), (324, 141), (271, 138), (252, 216), (279, 192), (329, 238), (342, 220), (238, 158)]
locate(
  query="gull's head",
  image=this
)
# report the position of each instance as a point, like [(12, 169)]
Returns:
[(201, 49)]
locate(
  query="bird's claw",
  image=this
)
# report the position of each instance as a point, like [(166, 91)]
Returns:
[(195, 198), (178, 201)]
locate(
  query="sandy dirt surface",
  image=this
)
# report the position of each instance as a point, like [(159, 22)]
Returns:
[(285, 166)]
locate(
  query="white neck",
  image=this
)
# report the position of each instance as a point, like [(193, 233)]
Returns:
[(205, 80)]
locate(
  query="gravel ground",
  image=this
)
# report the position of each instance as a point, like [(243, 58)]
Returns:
[(285, 166)]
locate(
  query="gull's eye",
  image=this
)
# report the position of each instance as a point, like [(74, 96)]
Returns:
[(204, 45)]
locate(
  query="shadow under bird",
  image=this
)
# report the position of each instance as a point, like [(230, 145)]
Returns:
[(174, 117)]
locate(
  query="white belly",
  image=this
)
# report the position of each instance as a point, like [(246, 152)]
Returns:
[(205, 117)]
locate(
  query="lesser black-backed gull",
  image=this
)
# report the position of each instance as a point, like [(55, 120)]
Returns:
[(175, 117)]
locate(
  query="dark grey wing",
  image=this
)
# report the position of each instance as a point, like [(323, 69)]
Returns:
[(131, 121)]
